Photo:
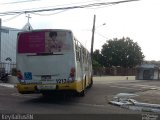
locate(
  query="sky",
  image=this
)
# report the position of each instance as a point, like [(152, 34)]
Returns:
[(139, 20)]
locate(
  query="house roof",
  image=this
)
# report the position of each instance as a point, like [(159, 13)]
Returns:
[(149, 66), (27, 27)]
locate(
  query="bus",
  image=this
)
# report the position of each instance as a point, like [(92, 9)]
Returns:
[(52, 60)]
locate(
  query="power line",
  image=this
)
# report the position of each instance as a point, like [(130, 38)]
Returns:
[(16, 2), (6, 20), (49, 14), (32, 9), (66, 8)]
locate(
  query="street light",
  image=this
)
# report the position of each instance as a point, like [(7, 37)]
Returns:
[(100, 25)]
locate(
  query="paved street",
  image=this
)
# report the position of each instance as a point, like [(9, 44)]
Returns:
[(95, 101)]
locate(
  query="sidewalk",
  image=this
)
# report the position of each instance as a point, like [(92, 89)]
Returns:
[(7, 85), (12, 80)]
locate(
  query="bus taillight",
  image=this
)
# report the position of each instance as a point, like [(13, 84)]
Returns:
[(72, 72), (19, 75), (71, 75)]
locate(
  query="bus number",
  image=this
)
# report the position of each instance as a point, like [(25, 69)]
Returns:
[(61, 80)]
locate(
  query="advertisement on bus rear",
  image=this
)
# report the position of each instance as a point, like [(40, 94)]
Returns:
[(44, 42)]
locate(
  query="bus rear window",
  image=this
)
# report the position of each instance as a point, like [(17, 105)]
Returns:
[(44, 42)]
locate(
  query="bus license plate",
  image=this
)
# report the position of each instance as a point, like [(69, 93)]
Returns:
[(46, 87), (46, 77)]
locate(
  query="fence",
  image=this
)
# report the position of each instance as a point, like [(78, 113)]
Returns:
[(114, 71), (7, 67)]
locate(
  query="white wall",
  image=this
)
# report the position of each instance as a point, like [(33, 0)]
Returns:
[(8, 44), (155, 75)]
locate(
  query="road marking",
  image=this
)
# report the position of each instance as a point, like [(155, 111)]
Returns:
[(7, 85)]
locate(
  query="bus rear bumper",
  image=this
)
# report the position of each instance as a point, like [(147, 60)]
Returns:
[(34, 88)]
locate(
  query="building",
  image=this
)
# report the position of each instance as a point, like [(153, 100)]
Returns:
[(8, 41), (8, 44), (148, 72)]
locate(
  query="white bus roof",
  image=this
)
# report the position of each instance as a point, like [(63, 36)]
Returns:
[(37, 30)]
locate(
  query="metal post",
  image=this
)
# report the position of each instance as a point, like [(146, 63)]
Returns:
[(93, 31)]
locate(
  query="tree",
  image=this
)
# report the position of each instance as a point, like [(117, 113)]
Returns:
[(97, 62), (122, 52), (97, 59)]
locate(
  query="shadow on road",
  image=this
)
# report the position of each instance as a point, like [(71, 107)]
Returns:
[(54, 99), (93, 96)]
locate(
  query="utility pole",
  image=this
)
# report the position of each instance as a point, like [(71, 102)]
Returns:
[(93, 31)]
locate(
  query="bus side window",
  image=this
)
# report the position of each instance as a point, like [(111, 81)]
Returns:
[(84, 55), (78, 51)]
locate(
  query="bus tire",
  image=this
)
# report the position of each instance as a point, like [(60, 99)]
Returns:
[(91, 84), (46, 94), (83, 92)]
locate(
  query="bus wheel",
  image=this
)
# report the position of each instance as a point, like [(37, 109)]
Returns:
[(83, 92), (91, 84), (46, 95)]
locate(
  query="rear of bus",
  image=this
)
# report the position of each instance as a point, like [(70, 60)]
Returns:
[(45, 61)]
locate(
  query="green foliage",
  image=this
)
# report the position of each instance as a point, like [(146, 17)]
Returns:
[(97, 59), (120, 52), (95, 64)]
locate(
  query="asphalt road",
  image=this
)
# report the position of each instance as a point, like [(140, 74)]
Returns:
[(95, 101)]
